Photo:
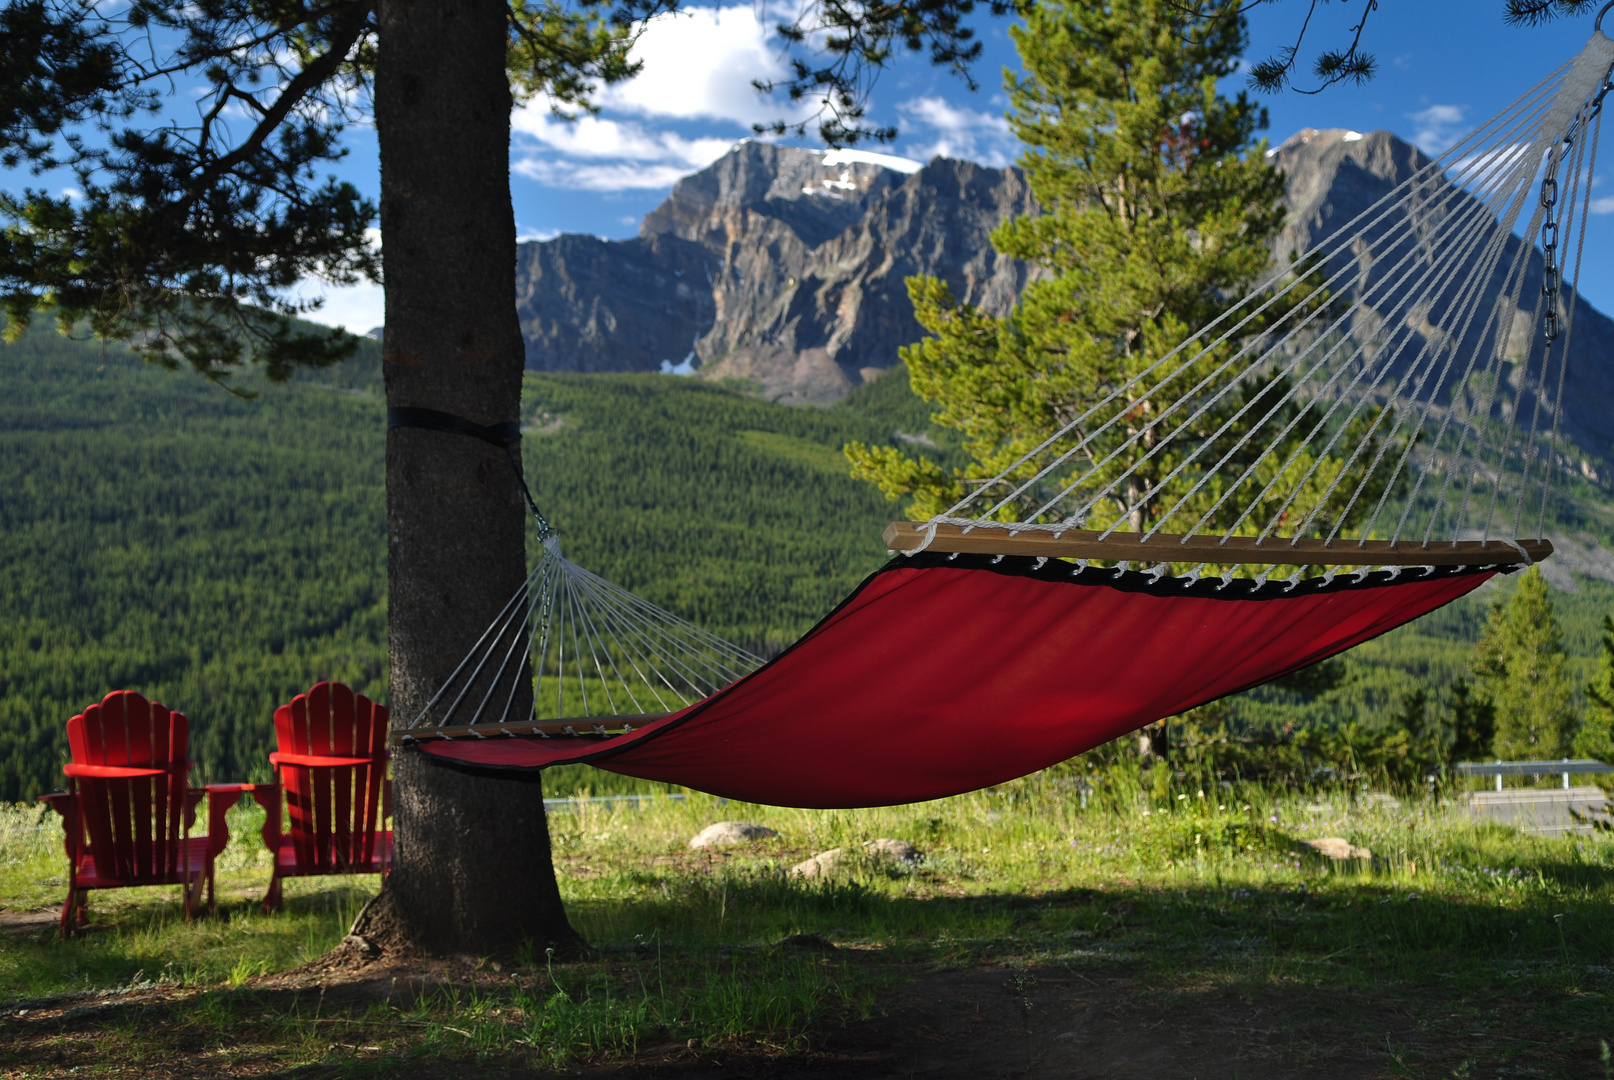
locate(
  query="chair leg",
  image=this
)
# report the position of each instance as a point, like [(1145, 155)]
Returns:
[(71, 912), (271, 899)]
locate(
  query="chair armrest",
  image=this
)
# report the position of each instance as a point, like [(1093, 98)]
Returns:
[(66, 804), (220, 798), (59, 801), (193, 799), (268, 797)]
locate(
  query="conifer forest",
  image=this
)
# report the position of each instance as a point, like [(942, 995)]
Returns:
[(222, 548)]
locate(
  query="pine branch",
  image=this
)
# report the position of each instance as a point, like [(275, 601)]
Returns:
[(859, 38), (350, 26)]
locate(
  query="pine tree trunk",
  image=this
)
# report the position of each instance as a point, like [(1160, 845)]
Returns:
[(472, 870)]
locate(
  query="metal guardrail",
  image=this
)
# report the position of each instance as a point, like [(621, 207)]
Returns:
[(574, 803), (1500, 768)]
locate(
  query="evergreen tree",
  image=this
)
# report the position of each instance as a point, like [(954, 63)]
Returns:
[(1473, 723), (190, 230), (1520, 666), (1595, 739), (1156, 206)]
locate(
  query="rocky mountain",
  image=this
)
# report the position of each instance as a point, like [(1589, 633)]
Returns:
[(1335, 175), (778, 266), (784, 268)]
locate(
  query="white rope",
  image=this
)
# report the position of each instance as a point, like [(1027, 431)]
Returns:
[(1386, 285), (1466, 305), (1429, 250), (1388, 204), (1362, 401), (1358, 226), (593, 641)]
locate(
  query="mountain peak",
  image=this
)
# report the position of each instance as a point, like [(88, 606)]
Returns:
[(781, 267), (784, 268), (817, 193)]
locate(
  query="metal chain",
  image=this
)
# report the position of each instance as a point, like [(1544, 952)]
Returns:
[(1551, 278), (1551, 273)]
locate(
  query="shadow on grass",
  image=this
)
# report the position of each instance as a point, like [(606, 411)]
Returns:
[(140, 938), (684, 1010), (1546, 922)]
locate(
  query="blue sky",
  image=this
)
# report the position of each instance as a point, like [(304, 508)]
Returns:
[(1445, 66)]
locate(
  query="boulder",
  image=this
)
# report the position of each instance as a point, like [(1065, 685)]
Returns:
[(893, 853), (729, 833), (1336, 847), (819, 865), (886, 849)]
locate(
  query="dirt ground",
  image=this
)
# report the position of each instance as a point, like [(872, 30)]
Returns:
[(984, 1022)]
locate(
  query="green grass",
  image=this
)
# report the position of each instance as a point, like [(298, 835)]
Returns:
[(139, 935), (1499, 928)]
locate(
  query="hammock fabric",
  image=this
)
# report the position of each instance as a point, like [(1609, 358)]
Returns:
[(941, 675)]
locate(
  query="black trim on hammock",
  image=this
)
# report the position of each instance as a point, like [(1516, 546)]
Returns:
[(1051, 570), (1207, 588)]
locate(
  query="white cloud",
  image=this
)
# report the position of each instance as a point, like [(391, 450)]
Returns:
[(612, 176), (357, 307), (958, 133), (1605, 205), (700, 63), (602, 138), (1482, 171), (698, 66), (540, 235), (596, 153), (1437, 127)]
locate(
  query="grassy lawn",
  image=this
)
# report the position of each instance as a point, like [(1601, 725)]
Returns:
[(1459, 949)]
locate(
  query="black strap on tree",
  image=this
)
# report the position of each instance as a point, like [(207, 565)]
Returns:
[(505, 436)]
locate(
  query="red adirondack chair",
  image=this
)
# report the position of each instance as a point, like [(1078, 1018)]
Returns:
[(127, 812), (332, 768)]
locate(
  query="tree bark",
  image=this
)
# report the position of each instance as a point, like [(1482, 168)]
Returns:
[(472, 870)]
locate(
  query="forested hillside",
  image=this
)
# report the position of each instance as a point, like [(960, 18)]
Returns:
[(221, 553), (157, 533)]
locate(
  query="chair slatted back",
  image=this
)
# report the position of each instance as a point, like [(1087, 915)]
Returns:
[(332, 759), (129, 766)]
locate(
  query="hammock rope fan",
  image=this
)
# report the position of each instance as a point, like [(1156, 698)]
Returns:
[(1183, 538)]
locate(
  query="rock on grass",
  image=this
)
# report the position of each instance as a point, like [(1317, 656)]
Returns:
[(885, 851), (1337, 847), (729, 833)]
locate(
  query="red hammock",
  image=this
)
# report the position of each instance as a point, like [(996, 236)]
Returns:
[(941, 675)]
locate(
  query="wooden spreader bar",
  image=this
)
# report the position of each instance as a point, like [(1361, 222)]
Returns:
[(1085, 544), (580, 725)]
